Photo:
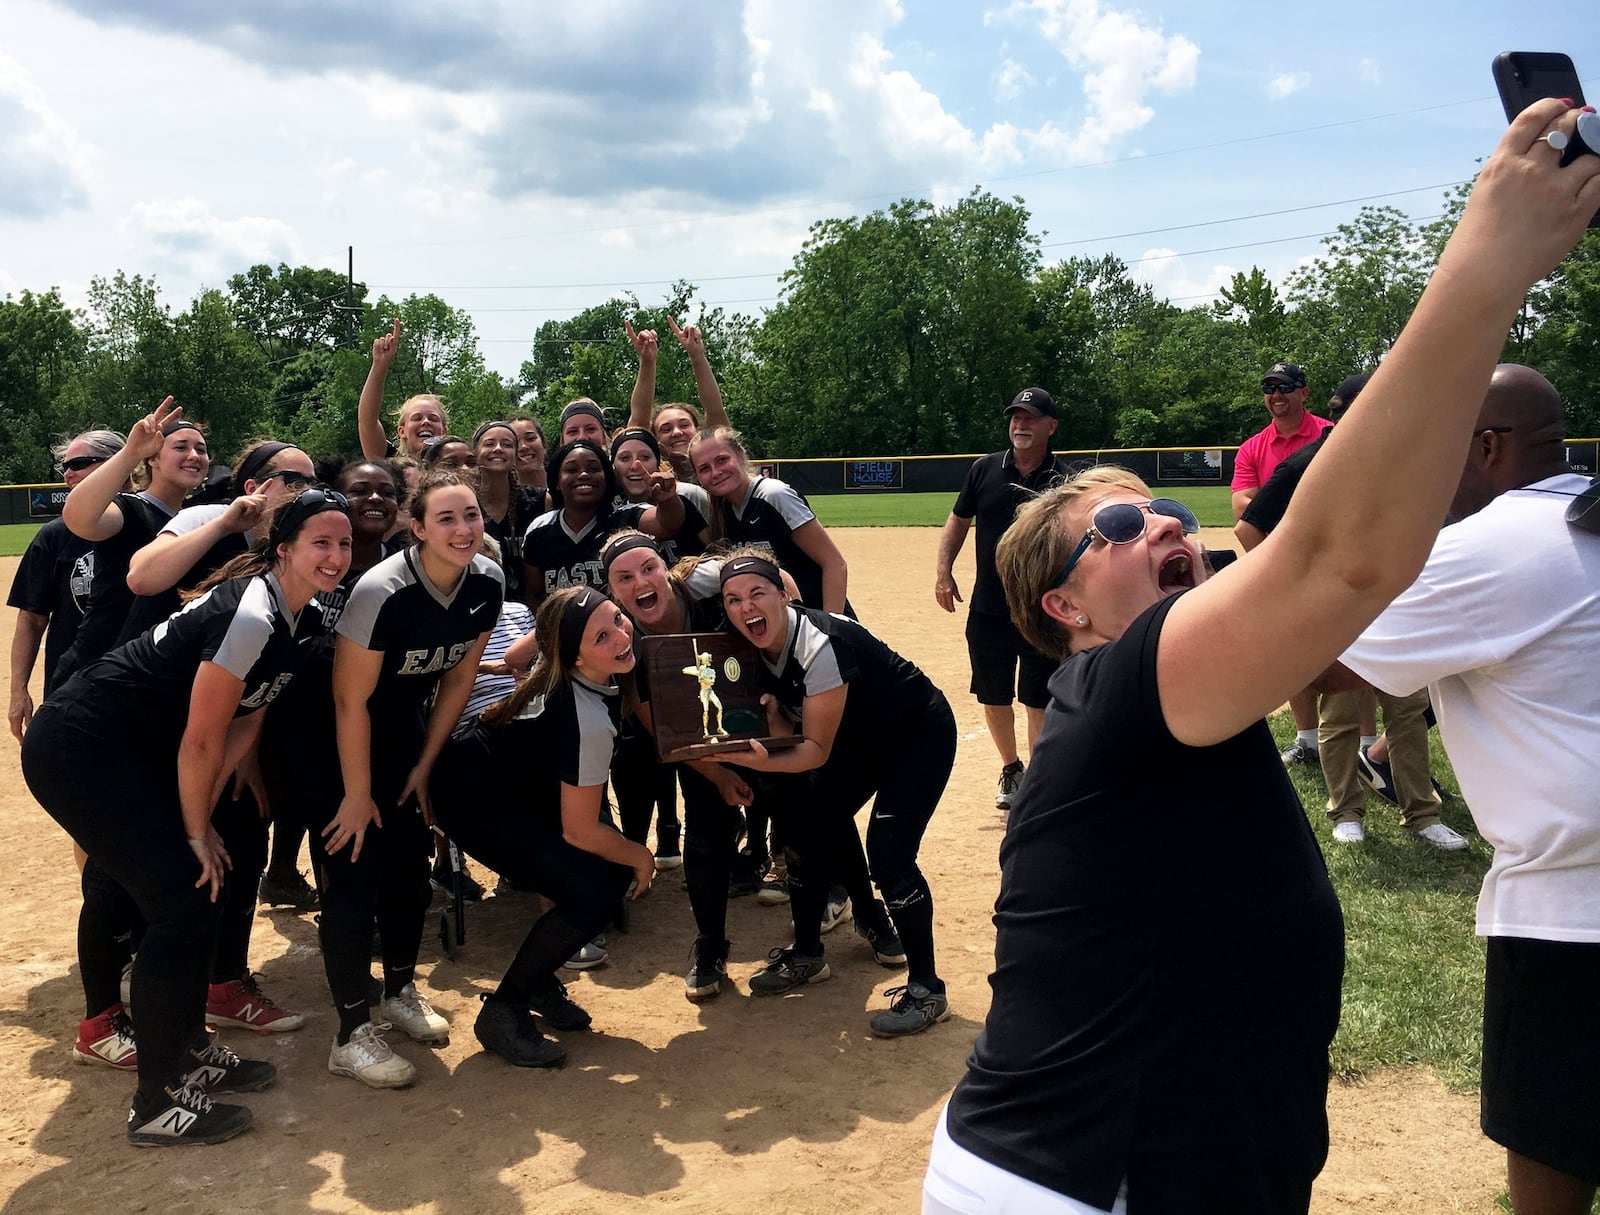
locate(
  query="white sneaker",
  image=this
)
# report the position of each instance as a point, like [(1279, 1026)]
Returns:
[(370, 1060), (591, 955), (1350, 832), (413, 1016), (1443, 837)]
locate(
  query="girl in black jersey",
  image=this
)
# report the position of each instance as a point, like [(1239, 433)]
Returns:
[(636, 458), (414, 627), (747, 509), (508, 508), (874, 727), (131, 755), (166, 457), (562, 546), (523, 792)]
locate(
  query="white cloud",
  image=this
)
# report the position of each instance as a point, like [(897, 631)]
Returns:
[(1011, 80), (1287, 83), (184, 236), (1173, 278), (44, 163), (1367, 69)]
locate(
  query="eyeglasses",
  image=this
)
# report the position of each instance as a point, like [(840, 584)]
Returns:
[(1123, 523), (1276, 388), (79, 463), (288, 518), (291, 478)]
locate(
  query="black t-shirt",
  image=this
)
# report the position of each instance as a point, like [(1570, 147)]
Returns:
[(53, 579), (770, 515), (1161, 1012), (242, 625), (993, 491), (565, 557), (149, 610), (143, 516), (526, 506), (1266, 509)]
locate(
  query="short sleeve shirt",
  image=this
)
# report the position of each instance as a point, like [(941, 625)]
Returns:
[(143, 515), (53, 580), (149, 610), (770, 514), (995, 487), (1265, 450), (1267, 508), (564, 557)]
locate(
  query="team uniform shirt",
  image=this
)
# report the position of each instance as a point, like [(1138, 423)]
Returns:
[(526, 506), (770, 514), (150, 610), (685, 542), (422, 632), (1154, 1019), (564, 557), (995, 487), (243, 625), (143, 515), (1502, 626), (1267, 508), (53, 579), (515, 622), (1264, 451)]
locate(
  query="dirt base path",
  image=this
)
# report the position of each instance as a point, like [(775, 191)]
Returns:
[(733, 1105)]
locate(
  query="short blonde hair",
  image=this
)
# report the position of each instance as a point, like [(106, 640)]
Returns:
[(1036, 546)]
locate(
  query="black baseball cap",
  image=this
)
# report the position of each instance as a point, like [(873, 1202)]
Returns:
[(1036, 401), (1285, 373)]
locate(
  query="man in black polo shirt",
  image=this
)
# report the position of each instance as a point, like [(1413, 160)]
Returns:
[(996, 485)]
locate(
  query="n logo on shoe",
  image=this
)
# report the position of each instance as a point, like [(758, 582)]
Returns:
[(176, 1121), (207, 1075)]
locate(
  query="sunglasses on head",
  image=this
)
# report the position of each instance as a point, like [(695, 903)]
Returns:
[(79, 463), (1123, 523), (294, 513), (291, 478)]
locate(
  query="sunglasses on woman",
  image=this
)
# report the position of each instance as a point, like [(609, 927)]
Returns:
[(1123, 523), (79, 463), (291, 478)]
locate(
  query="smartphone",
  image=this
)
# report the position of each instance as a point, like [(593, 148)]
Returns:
[(1523, 77)]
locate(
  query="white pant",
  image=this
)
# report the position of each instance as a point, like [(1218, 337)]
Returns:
[(959, 1183)]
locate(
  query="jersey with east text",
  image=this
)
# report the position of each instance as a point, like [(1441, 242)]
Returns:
[(563, 557)]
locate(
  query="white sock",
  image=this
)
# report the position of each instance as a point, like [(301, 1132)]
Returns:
[(1308, 737), (1367, 740)]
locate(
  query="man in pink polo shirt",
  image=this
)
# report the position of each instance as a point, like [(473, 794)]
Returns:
[(1292, 427)]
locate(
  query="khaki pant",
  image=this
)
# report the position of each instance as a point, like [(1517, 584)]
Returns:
[(1339, 740)]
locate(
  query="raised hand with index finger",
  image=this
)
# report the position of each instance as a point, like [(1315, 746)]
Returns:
[(645, 342), (385, 347), (689, 337)]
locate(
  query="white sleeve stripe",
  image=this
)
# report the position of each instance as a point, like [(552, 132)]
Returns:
[(248, 631)]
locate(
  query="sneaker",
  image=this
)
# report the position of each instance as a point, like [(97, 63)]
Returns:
[(292, 891), (708, 966), (774, 889), (217, 1069), (560, 1011), (911, 1010), (108, 1039), (183, 1114), (587, 958), (509, 1031), (370, 1059), (837, 909), (1010, 782), (413, 1016), (669, 854), (787, 970), (1349, 832), (1300, 753), (1443, 837), (1377, 776), (885, 941), (443, 878), (242, 1004)]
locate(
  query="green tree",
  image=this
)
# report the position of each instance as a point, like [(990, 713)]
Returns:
[(42, 347)]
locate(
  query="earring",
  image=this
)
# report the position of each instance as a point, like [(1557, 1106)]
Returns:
[(1081, 620)]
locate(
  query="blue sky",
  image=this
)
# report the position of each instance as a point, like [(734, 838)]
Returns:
[(527, 161)]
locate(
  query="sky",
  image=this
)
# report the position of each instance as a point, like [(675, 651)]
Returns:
[(526, 161)]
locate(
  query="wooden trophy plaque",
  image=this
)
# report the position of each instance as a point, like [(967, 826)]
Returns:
[(705, 696)]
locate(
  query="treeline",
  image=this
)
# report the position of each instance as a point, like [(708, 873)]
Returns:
[(901, 332)]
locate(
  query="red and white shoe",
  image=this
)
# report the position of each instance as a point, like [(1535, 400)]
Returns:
[(242, 1004), (107, 1039)]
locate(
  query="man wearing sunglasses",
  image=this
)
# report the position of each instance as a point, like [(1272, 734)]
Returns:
[(996, 485), (51, 588)]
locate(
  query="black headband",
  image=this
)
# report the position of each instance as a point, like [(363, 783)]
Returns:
[(569, 632), (172, 428), (577, 407), (292, 515), (749, 565), (635, 434), (256, 461), (623, 544), (478, 434)]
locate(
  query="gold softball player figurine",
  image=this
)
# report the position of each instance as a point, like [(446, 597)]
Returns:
[(707, 675)]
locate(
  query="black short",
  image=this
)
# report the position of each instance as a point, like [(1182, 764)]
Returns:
[(1541, 1052), (995, 649)]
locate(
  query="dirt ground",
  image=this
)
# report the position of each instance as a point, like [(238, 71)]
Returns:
[(736, 1104)]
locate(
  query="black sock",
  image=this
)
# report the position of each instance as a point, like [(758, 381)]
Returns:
[(352, 1019)]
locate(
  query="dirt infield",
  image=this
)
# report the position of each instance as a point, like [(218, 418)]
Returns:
[(728, 1106)]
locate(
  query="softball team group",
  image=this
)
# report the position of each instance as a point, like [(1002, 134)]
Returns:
[(439, 640)]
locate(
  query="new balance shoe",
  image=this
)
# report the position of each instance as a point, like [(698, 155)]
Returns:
[(370, 1059), (587, 958), (1442, 837), (559, 1010), (413, 1016), (183, 1114), (1349, 832), (1010, 782), (885, 941), (107, 1038), (217, 1069), (1300, 753), (787, 970), (241, 1003), (708, 966), (912, 1009), (292, 891), (1377, 776), (837, 909), (508, 1030), (445, 879)]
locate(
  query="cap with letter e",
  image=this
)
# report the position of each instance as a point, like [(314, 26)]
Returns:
[(1036, 401)]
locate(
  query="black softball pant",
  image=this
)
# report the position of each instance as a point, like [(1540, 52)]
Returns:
[(120, 803), (643, 787)]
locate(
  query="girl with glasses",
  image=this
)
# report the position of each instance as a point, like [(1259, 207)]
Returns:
[(165, 720)]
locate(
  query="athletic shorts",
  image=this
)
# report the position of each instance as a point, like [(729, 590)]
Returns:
[(1541, 1052), (995, 649)]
